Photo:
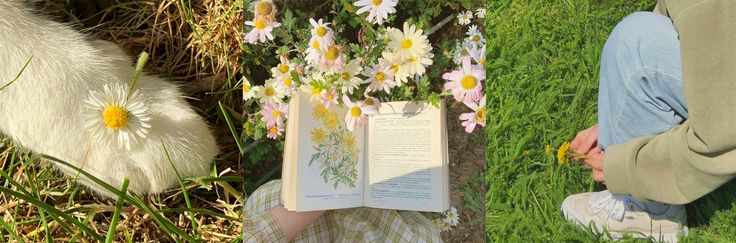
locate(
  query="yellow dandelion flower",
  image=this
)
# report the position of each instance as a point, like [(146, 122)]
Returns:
[(562, 157)]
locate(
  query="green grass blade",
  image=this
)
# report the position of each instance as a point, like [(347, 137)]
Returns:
[(230, 125), (116, 215), (139, 65), (17, 76), (183, 189)]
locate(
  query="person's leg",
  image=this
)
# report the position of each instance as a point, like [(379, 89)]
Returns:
[(640, 93)]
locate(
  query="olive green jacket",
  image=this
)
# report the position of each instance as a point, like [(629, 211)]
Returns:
[(696, 157)]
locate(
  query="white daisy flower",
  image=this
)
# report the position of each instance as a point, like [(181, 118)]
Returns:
[(479, 55), (410, 42), (314, 52), (381, 77), (415, 65), (260, 32), (332, 60), (451, 216), (113, 116), (395, 62), (248, 91), (371, 103), (461, 51), (322, 33), (378, 10), (274, 131), (270, 92), (315, 94), (329, 97), (348, 80), (287, 84), (275, 113), (264, 8), (475, 37), (281, 70), (464, 18), (480, 13)]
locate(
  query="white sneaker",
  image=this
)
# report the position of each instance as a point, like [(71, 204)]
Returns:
[(621, 215)]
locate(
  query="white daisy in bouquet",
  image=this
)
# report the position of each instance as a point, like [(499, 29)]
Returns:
[(371, 103), (313, 52), (465, 83), (265, 10), (378, 10), (274, 131), (479, 55), (480, 13), (283, 69), (269, 92), (380, 77), (475, 37), (261, 31), (465, 17), (111, 115), (410, 42), (349, 81), (395, 62), (333, 59), (416, 65), (248, 92), (322, 33), (461, 51)]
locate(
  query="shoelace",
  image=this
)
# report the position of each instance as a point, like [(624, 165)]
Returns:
[(614, 205)]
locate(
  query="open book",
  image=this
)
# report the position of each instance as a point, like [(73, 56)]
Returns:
[(397, 160)]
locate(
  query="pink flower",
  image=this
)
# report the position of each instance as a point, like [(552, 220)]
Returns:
[(329, 97), (274, 131), (466, 82), (477, 117), (371, 103), (275, 113), (356, 115)]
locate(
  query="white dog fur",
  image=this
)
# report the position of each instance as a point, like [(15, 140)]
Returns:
[(42, 110)]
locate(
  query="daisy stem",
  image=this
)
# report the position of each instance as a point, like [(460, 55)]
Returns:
[(142, 59), (19, 73)]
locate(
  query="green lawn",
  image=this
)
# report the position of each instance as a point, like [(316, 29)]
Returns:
[(544, 63)]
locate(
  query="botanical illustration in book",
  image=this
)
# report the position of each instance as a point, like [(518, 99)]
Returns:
[(336, 150)]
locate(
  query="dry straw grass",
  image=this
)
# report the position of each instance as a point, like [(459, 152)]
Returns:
[(196, 44)]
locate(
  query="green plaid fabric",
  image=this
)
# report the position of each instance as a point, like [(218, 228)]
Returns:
[(344, 225)]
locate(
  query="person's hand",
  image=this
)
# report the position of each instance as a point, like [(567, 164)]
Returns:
[(293, 223), (585, 140), (595, 161)]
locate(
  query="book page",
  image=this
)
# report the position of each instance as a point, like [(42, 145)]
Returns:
[(329, 158), (405, 158)]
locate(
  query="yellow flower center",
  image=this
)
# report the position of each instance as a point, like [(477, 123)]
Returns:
[(276, 114), (412, 59), (346, 76), (355, 111), (315, 44), (273, 129), (376, 2), (476, 38), (269, 91), (480, 114), (246, 88), (263, 8), (469, 82), (316, 90), (406, 43), (321, 31), (287, 82), (332, 53), (380, 76), (464, 52), (395, 67), (115, 117), (369, 101), (259, 24), (283, 68), (330, 95)]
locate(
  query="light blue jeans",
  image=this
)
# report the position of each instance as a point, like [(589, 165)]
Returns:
[(640, 89)]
